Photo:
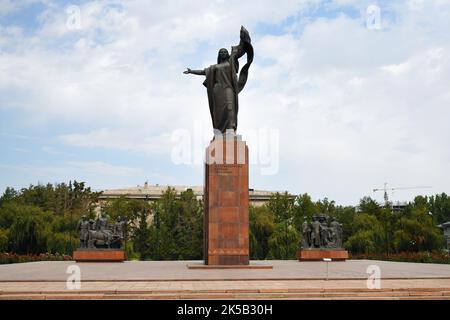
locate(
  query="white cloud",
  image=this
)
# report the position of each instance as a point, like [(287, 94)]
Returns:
[(121, 140), (355, 107), (96, 167), (102, 168)]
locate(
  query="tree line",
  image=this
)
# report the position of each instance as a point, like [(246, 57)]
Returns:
[(369, 228), (43, 218)]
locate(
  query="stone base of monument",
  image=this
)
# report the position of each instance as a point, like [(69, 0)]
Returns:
[(200, 266), (320, 254), (226, 223), (99, 255)]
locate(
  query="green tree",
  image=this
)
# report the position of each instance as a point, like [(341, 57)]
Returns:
[(262, 226), (61, 243), (366, 236), (28, 233), (4, 243), (416, 231), (284, 242), (361, 242), (281, 206), (10, 194), (369, 206), (189, 227), (345, 216), (140, 232), (8, 214), (165, 218), (303, 207), (439, 206), (326, 206), (124, 207)]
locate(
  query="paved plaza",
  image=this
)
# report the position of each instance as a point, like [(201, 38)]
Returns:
[(177, 270), (173, 280)]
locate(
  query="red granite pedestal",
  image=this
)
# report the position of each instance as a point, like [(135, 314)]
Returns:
[(320, 254), (226, 240), (99, 255)]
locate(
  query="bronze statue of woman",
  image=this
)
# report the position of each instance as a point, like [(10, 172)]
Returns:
[(223, 85)]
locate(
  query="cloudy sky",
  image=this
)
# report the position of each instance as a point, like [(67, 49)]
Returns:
[(339, 100)]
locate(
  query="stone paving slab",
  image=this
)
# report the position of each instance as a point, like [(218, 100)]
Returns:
[(247, 286), (178, 271)]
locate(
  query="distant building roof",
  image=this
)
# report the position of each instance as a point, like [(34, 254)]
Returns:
[(153, 192)]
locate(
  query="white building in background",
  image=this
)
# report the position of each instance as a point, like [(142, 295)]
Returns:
[(397, 206), (154, 192)]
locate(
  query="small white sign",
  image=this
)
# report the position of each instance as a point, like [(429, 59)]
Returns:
[(374, 280), (74, 280)]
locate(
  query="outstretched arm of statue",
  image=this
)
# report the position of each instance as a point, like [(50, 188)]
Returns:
[(196, 72)]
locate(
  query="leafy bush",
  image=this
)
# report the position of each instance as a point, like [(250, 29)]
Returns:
[(440, 257), (284, 242), (361, 242), (262, 226), (4, 234), (6, 258), (61, 242)]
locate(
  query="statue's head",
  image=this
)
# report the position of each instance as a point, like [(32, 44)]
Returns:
[(223, 55), (83, 217), (119, 218)]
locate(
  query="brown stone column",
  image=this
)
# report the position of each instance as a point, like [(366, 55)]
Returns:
[(226, 240)]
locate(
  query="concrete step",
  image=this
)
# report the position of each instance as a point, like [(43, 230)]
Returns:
[(311, 291), (400, 294)]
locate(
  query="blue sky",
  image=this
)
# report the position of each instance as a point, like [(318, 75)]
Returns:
[(348, 108)]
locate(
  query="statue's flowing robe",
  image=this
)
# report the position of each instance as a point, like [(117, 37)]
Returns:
[(223, 86)]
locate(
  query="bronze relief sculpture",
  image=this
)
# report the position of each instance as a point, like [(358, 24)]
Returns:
[(320, 234), (99, 233)]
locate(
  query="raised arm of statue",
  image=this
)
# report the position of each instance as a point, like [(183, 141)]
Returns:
[(196, 72), (239, 50), (244, 47)]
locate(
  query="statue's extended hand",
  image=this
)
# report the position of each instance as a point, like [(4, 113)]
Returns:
[(187, 71)]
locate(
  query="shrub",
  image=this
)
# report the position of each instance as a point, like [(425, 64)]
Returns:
[(61, 242), (3, 240), (440, 257), (6, 258), (361, 242)]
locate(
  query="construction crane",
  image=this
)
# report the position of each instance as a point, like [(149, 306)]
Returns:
[(386, 189)]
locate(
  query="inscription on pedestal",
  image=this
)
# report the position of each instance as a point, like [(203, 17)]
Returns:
[(231, 252), (224, 170)]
